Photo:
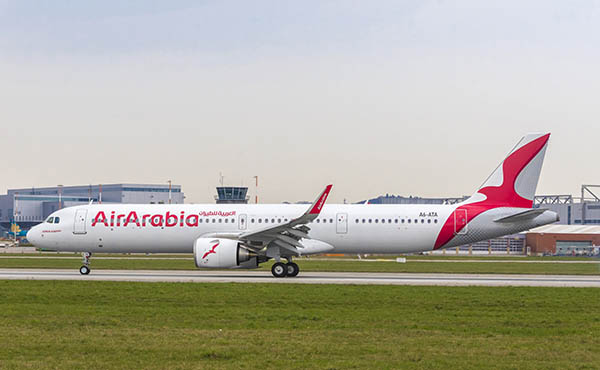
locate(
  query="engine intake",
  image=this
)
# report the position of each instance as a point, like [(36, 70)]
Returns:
[(222, 253)]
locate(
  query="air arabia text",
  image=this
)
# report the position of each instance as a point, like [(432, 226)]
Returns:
[(156, 220)]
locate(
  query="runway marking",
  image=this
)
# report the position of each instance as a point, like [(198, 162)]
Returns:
[(306, 277)]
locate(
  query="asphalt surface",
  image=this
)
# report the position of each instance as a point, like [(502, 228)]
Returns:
[(362, 278)]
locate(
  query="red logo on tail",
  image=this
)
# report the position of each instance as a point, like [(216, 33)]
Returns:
[(504, 195), (211, 251)]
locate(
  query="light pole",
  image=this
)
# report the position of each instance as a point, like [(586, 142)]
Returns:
[(256, 190), (60, 196), (169, 181)]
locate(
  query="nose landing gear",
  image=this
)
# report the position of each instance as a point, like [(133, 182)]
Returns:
[(85, 269)]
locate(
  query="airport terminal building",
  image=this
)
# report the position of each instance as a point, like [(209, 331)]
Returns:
[(30, 206)]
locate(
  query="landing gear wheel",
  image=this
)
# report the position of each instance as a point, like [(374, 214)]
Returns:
[(85, 269), (292, 269), (279, 269)]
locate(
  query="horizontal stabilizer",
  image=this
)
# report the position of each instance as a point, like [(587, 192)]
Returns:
[(521, 216)]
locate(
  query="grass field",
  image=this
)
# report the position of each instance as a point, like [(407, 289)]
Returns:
[(74, 325), (318, 265)]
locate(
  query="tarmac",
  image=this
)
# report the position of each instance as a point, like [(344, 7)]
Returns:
[(347, 278)]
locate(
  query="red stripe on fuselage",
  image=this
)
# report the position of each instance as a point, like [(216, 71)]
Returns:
[(504, 195)]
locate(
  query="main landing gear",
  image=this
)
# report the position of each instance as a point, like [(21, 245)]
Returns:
[(281, 269), (85, 269)]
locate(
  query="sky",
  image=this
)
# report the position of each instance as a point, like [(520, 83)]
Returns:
[(402, 97)]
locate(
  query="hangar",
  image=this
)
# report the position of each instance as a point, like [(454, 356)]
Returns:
[(568, 240)]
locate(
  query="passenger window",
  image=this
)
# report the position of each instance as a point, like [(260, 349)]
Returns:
[(260, 220), (226, 220), (56, 220), (376, 220), (422, 220), (318, 220), (199, 220), (416, 221), (370, 220), (383, 220), (435, 221), (232, 220), (278, 220), (356, 220), (408, 220), (389, 221), (331, 220), (214, 220), (402, 220), (272, 220), (429, 221)]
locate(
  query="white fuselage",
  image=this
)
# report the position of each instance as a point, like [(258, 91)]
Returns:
[(137, 228)]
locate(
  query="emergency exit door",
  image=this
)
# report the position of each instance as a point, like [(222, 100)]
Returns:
[(342, 223), (460, 222), (79, 224)]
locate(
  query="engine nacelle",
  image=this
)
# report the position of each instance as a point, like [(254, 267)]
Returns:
[(222, 253)]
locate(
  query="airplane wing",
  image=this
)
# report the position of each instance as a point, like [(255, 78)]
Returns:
[(521, 216), (287, 236)]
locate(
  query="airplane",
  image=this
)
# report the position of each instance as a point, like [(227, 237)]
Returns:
[(246, 235)]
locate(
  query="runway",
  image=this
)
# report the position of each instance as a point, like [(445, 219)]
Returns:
[(358, 278)]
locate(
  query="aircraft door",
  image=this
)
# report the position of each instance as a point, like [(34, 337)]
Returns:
[(242, 221), (460, 222), (342, 223), (79, 223)]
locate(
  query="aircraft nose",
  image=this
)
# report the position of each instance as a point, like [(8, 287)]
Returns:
[(32, 235)]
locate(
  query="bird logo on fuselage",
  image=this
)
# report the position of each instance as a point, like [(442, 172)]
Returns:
[(211, 251)]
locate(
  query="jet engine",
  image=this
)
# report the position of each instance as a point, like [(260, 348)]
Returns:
[(222, 253)]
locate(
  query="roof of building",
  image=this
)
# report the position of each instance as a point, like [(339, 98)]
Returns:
[(566, 229)]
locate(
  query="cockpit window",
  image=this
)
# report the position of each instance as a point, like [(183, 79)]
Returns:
[(50, 220), (56, 220)]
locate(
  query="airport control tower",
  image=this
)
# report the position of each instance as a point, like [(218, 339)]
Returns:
[(232, 195)]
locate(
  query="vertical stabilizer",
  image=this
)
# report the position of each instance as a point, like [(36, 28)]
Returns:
[(514, 181)]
